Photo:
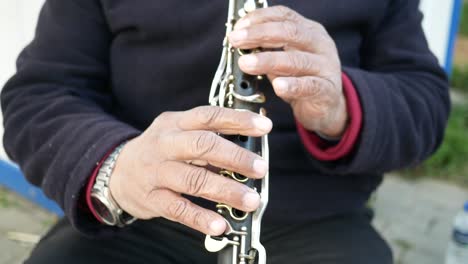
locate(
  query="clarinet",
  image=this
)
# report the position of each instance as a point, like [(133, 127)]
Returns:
[(231, 88)]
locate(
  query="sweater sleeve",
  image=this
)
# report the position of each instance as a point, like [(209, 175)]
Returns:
[(403, 93), (59, 96)]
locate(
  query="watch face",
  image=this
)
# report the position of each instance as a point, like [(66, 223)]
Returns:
[(103, 211)]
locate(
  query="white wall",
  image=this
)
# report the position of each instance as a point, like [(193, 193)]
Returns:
[(18, 19), (436, 23), (17, 23)]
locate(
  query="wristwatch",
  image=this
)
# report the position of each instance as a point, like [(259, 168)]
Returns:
[(104, 204)]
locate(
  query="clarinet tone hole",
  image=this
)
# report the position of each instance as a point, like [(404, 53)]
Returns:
[(245, 85), (244, 51), (240, 178), (238, 214), (243, 139)]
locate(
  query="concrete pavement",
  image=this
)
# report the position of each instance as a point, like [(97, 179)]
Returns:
[(19, 216), (416, 218)]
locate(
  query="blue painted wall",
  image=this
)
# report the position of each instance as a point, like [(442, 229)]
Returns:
[(455, 25), (12, 178)]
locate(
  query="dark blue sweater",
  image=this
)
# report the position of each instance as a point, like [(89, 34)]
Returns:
[(99, 71)]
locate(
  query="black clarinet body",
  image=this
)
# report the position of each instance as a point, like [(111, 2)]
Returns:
[(234, 89)]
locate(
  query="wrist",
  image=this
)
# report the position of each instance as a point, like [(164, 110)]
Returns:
[(336, 125)]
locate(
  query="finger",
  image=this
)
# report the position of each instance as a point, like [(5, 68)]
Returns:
[(284, 34), (225, 121), (219, 152), (283, 63), (271, 14), (200, 182), (292, 88), (174, 207)]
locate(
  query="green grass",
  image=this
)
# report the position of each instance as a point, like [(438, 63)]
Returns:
[(5, 202), (450, 162), (459, 78), (464, 21)]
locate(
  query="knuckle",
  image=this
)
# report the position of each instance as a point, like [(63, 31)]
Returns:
[(275, 64), (151, 183), (291, 30), (195, 180), (163, 117), (207, 115), (306, 63), (198, 218), (297, 63), (239, 156), (160, 123), (325, 44), (316, 27), (296, 87), (311, 66), (285, 11), (312, 83), (204, 143), (165, 143), (178, 209), (315, 87), (321, 28)]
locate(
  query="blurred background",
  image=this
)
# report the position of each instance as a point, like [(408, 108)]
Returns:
[(414, 208)]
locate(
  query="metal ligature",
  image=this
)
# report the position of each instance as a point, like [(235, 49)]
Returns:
[(231, 88)]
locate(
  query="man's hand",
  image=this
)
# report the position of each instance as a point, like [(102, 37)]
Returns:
[(154, 169), (306, 73)]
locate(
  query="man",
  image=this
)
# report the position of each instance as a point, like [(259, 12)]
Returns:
[(355, 93)]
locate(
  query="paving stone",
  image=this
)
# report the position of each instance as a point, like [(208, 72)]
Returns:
[(416, 217), (421, 257), (19, 215)]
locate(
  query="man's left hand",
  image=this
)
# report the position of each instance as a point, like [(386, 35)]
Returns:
[(306, 72)]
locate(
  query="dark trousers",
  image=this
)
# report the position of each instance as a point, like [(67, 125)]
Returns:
[(346, 239)]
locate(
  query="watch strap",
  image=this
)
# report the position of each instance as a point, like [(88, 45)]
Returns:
[(101, 185)]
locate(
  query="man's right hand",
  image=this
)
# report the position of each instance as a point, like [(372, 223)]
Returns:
[(154, 169)]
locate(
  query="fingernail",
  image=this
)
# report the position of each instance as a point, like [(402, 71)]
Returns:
[(251, 200), (243, 23), (249, 61), (263, 123), (260, 166), (238, 35), (218, 226), (281, 86)]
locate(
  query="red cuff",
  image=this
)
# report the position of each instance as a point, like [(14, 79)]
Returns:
[(90, 185), (322, 149)]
